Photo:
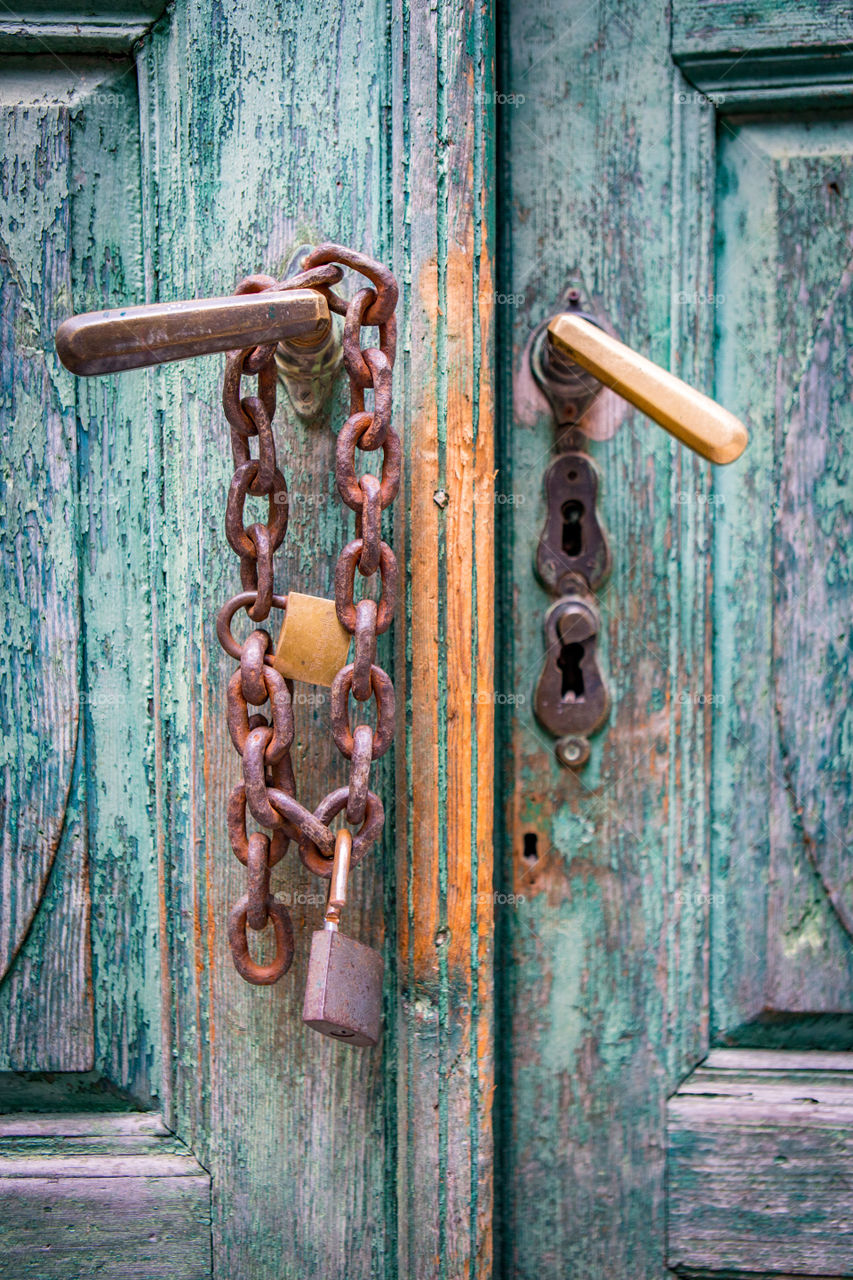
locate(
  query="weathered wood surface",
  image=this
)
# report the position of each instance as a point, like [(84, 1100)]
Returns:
[(612, 187), (118, 577), (264, 126), (603, 962), (748, 28), (63, 27), (444, 205), (257, 133), (767, 56), (760, 1168), (85, 252), (59, 1124), (724, 1060), (109, 1196), (43, 818), (781, 791)]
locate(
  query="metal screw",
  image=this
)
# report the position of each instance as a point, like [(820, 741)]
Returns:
[(572, 751)]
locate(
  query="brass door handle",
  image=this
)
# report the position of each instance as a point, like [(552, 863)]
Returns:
[(687, 414), (134, 337)]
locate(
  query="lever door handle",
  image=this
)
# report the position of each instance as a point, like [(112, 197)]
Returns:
[(133, 337), (687, 414)]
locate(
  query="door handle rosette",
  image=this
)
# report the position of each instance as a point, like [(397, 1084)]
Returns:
[(572, 359), (693, 418)]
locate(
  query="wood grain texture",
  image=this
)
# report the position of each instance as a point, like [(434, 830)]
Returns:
[(264, 126), (49, 991), (603, 961), (759, 1169), (766, 56), (58, 27), (259, 1096), (43, 817), (738, 27), (444, 156), (109, 1196), (116, 591), (68, 1124), (783, 895)]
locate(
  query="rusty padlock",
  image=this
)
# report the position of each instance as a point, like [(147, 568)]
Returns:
[(343, 994)]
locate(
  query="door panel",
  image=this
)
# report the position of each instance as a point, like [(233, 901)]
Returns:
[(42, 801), (76, 720), (690, 885), (87, 1184), (783, 901)]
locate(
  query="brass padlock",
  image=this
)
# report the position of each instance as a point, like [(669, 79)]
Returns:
[(343, 994), (312, 645)]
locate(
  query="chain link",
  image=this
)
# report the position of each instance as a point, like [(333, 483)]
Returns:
[(263, 741)]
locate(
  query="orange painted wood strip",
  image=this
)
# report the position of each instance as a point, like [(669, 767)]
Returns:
[(446, 775)]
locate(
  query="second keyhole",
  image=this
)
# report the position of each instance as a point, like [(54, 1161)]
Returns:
[(569, 662), (572, 513)]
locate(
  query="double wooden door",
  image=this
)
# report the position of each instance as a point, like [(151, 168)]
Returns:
[(618, 1000)]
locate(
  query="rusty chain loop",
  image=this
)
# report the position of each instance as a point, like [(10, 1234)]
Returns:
[(264, 740)]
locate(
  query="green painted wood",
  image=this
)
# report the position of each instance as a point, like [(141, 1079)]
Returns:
[(731, 28), (613, 184), (57, 27), (43, 809), (109, 1195), (603, 958), (783, 905), (116, 595), (90, 255), (766, 55), (759, 1161), (263, 127)]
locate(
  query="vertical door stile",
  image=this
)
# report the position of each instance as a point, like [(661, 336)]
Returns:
[(444, 235)]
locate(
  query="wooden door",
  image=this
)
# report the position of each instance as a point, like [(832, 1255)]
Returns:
[(675, 988), (160, 1117), (619, 1047)]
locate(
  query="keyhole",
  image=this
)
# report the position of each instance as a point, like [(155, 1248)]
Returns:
[(569, 663), (531, 849), (572, 512)]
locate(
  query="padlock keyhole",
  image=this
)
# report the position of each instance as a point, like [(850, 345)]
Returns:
[(569, 663), (572, 513)]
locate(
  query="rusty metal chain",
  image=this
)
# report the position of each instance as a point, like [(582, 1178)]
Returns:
[(263, 741)]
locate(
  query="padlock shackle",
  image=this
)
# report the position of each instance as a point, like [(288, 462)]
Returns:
[(338, 883)]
